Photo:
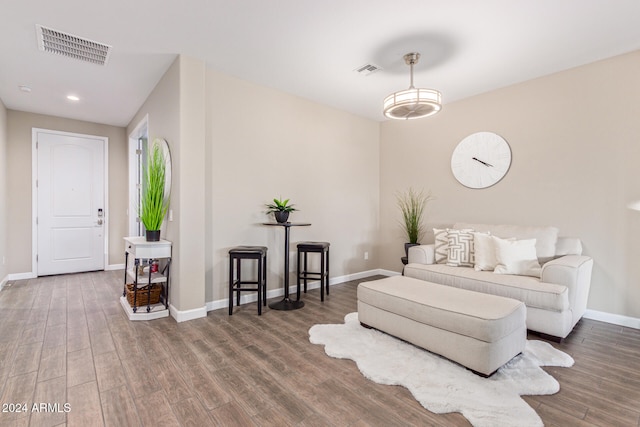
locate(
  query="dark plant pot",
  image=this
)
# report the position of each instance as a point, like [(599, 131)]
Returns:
[(281, 216), (407, 246), (153, 235)]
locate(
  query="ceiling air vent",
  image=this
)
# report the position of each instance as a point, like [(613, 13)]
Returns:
[(71, 46), (367, 69)]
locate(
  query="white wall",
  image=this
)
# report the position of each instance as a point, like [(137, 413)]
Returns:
[(575, 140)]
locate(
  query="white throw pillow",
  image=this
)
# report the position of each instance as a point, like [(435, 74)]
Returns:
[(516, 257), (484, 252), (460, 251), (441, 245)]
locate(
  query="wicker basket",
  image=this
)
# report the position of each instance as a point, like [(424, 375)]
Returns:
[(143, 297)]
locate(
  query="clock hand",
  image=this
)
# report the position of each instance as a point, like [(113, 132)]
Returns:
[(484, 163)]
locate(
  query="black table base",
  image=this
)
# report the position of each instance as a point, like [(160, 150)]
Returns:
[(287, 304)]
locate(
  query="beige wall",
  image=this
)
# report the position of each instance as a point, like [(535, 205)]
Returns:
[(230, 157), (574, 138), (191, 182), (3, 193), (19, 216), (175, 111), (575, 143), (261, 144)]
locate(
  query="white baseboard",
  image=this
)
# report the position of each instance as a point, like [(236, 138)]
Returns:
[(616, 319), (184, 315), (111, 267), (157, 311), (274, 293), (22, 276), (31, 275)]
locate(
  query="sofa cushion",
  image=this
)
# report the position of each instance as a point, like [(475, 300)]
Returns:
[(441, 245), (546, 237), (530, 290), (460, 251), (516, 257), (484, 252)]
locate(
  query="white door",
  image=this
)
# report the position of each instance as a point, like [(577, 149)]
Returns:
[(70, 203)]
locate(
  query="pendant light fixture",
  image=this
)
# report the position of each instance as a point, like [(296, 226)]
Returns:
[(412, 103)]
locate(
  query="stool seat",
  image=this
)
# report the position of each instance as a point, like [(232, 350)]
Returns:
[(313, 245), (304, 274), (260, 250), (237, 284)]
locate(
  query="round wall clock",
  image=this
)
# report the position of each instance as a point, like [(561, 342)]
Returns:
[(480, 160)]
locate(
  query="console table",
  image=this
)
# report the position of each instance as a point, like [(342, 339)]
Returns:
[(140, 276), (287, 303)]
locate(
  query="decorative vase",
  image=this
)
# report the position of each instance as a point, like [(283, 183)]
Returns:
[(405, 258), (281, 216), (153, 235), (407, 246)]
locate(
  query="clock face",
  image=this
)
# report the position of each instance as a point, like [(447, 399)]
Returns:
[(481, 160)]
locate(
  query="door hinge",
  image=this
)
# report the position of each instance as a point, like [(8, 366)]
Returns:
[(36, 220), (139, 152), (36, 257), (36, 183), (36, 145)]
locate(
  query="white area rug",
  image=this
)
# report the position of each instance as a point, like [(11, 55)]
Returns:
[(442, 386)]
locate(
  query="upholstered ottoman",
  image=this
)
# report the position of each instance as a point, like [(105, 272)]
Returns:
[(479, 331)]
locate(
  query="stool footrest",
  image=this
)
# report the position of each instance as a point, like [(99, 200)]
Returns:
[(303, 275), (237, 285)]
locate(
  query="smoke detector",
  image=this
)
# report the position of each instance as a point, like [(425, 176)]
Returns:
[(58, 42)]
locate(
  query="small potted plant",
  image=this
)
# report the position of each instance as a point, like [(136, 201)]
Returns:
[(412, 204), (153, 204), (281, 210)]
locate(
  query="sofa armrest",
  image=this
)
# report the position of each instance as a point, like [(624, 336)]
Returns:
[(574, 272), (422, 254)]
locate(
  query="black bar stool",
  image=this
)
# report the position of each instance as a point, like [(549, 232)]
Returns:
[(237, 254), (304, 248)]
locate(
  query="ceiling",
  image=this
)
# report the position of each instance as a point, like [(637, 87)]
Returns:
[(309, 48)]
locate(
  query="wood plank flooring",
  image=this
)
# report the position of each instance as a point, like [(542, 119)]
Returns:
[(66, 339)]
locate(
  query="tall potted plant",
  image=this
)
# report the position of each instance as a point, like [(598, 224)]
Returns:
[(153, 204), (412, 205)]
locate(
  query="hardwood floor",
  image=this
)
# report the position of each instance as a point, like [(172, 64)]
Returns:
[(66, 339)]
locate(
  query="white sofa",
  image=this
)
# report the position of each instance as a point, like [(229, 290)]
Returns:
[(555, 300)]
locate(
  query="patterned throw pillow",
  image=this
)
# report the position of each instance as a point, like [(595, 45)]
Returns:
[(441, 245), (460, 252)]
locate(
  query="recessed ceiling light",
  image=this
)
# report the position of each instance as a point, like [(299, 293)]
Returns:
[(24, 88), (73, 98)]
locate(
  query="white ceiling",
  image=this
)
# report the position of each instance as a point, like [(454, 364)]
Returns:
[(309, 48)]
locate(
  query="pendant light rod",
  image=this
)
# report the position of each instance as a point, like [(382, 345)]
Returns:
[(411, 59)]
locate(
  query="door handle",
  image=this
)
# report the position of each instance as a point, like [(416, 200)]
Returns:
[(99, 221)]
